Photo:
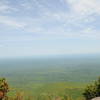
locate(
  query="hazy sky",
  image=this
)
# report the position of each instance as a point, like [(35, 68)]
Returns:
[(46, 27)]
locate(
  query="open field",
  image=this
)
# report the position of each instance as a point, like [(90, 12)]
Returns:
[(59, 76)]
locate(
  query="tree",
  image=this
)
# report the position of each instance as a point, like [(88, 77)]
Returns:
[(92, 90), (3, 88)]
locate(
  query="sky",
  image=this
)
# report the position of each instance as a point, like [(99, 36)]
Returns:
[(49, 27)]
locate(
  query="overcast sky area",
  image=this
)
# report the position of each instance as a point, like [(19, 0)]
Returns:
[(49, 27)]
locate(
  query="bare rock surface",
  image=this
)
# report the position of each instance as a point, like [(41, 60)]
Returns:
[(97, 98)]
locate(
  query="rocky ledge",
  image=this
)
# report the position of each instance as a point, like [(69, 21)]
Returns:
[(97, 98)]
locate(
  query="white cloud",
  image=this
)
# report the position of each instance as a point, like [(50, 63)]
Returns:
[(90, 32), (85, 7), (11, 22), (70, 23), (26, 5), (6, 8), (3, 8)]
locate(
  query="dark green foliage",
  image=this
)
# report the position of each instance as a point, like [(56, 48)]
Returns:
[(93, 90), (3, 88), (3, 85)]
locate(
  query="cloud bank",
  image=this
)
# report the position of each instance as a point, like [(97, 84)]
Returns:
[(51, 18)]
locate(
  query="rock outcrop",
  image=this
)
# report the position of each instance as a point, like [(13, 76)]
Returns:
[(97, 98)]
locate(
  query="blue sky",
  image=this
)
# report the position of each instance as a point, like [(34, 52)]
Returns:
[(49, 27)]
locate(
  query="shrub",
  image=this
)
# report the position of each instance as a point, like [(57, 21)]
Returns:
[(92, 90), (3, 88)]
